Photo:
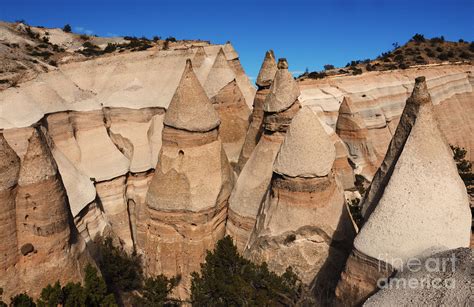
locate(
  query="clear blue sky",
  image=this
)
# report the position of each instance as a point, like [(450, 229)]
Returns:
[(308, 33)]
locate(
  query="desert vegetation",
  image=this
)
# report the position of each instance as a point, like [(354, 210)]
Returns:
[(417, 51)]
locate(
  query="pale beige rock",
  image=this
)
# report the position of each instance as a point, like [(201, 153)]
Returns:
[(307, 150), (9, 171), (219, 76), (265, 75), (190, 108), (422, 207), (254, 180), (233, 113), (186, 203), (353, 132), (267, 70), (42, 220), (304, 213), (284, 90)]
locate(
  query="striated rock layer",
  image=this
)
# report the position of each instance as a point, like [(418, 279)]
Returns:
[(255, 129), (421, 205), (254, 180), (379, 99), (186, 204), (304, 222), (47, 248)]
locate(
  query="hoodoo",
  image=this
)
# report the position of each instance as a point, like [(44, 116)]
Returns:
[(264, 81), (353, 131), (44, 250), (187, 198), (304, 222), (280, 107), (222, 88), (420, 206)]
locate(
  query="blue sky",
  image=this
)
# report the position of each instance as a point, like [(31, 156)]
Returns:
[(308, 33)]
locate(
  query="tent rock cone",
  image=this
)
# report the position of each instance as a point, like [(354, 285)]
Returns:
[(264, 81), (421, 205), (254, 180), (186, 204), (304, 223)]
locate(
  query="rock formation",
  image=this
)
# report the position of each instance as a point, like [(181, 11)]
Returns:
[(353, 131), (221, 86), (304, 222), (280, 106), (422, 206), (187, 198), (9, 170), (379, 98), (255, 130), (450, 284), (47, 248)]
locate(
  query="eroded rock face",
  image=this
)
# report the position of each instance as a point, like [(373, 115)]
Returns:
[(353, 131), (255, 130), (186, 204), (422, 205), (379, 98), (448, 286), (254, 180), (9, 170), (304, 222), (47, 249)]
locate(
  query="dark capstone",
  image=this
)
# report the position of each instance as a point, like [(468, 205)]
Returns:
[(27, 248)]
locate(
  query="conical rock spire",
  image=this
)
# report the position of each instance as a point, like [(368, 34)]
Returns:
[(284, 90), (307, 150), (424, 207), (220, 75), (267, 70), (190, 108), (199, 56)]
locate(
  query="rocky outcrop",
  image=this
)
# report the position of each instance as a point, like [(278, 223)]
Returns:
[(379, 98), (47, 247), (249, 192), (353, 131), (255, 129), (422, 205), (304, 222), (449, 284), (9, 170), (222, 88), (186, 204)]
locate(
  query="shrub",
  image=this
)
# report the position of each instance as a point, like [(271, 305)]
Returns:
[(399, 58), (171, 39), (464, 168), (156, 292), (316, 75), (418, 38), (166, 45), (471, 46), (356, 211), (356, 71), (438, 39), (22, 300), (156, 38), (84, 37), (228, 279), (439, 49), (328, 67), (443, 56), (121, 271), (67, 28), (110, 48)]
